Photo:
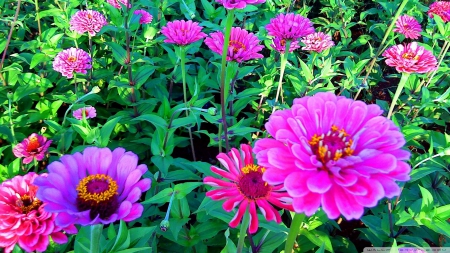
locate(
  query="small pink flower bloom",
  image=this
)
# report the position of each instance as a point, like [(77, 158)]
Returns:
[(280, 45), (116, 3), (410, 58), (70, 60), (89, 111), (290, 26), (408, 26), (238, 4), (23, 219), (317, 42), (182, 32), (244, 187), (440, 8), (87, 21), (333, 152), (35, 146), (145, 16), (243, 46)]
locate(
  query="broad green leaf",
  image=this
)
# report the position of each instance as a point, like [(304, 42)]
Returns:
[(118, 52), (160, 198), (106, 130), (185, 188), (122, 239)]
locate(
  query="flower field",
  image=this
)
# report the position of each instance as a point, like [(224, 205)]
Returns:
[(224, 126)]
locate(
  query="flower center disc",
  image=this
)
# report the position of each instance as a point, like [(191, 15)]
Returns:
[(27, 204), (332, 146), (86, 113), (410, 56), (33, 144), (97, 193), (72, 59), (236, 45), (251, 184)]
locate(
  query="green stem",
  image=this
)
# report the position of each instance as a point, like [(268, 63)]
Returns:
[(11, 124), (96, 233), (183, 75), (229, 24), (284, 58), (293, 231), (400, 86), (242, 233)]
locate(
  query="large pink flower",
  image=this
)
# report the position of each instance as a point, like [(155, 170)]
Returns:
[(23, 219), (440, 8), (245, 188), (290, 26), (317, 42), (145, 16), (410, 58), (243, 46), (87, 21), (280, 45), (98, 186), (182, 32), (408, 26), (238, 4), (89, 111), (333, 152), (72, 60), (35, 146), (116, 3)]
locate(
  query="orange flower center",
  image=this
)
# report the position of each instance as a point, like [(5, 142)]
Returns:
[(334, 145), (72, 59), (236, 45), (89, 16), (33, 144), (86, 113), (283, 42), (27, 204), (410, 56), (251, 184)]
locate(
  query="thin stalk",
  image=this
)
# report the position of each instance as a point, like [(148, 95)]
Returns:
[(91, 73), (183, 74), (38, 18), (293, 232), (128, 60), (11, 124), (386, 35), (283, 62), (75, 84), (400, 86), (260, 244), (229, 24), (427, 159), (96, 233), (242, 233), (439, 64)]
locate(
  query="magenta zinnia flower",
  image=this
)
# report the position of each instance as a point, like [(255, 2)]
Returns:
[(98, 186), (87, 21), (182, 32), (70, 60), (408, 26), (410, 58), (290, 26), (23, 219), (35, 146), (440, 8), (280, 45), (333, 152), (245, 187), (116, 3), (145, 16), (317, 42), (89, 111), (243, 46), (238, 4)]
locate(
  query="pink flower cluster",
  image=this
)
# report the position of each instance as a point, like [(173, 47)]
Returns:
[(408, 26), (116, 3), (35, 146), (410, 58), (289, 26), (89, 113), (146, 18), (440, 8), (87, 21), (182, 32), (72, 60), (317, 42), (280, 45), (238, 4)]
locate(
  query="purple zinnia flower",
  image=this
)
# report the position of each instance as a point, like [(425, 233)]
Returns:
[(93, 187), (238, 4), (35, 146), (317, 42), (145, 16), (89, 111), (408, 26), (87, 21), (70, 60), (290, 26), (440, 8), (182, 32), (280, 45), (243, 46), (333, 152), (116, 3)]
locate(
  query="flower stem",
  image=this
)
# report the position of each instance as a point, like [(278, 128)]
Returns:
[(183, 74), (91, 73), (13, 23), (284, 58), (242, 233), (293, 231), (229, 24), (400, 86), (11, 124), (96, 233)]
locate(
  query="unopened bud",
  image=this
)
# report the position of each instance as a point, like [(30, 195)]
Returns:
[(212, 111), (9, 95), (164, 225), (447, 151), (96, 89)]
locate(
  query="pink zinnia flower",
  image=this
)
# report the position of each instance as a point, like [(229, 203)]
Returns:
[(145, 16), (35, 146), (23, 219), (440, 8), (70, 60), (317, 42), (333, 152), (280, 45), (182, 32), (238, 4), (87, 21), (243, 46), (116, 3), (410, 58), (97, 186), (408, 26), (89, 111), (245, 187), (290, 26)]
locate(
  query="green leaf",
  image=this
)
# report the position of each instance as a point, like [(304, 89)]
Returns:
[(427, 200), (142, 74), (321, 249), (306, 71), (106, 130), (163, 163), (122, 239), (133, 250), (185, 188), (118, 52), (81, 130), (153, 119), (318, 238), (229, 246), (38, 58), (160, 198)]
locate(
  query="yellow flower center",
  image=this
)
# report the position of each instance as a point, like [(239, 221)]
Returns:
[(410, 56), (237, 45), (72, 59), (27, 204), (335, 145), (33, 144), (97, 188)]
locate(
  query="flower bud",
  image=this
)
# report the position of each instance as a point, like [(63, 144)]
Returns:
[(212, 111), (96, 89), (9, 95), (164, 225)]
